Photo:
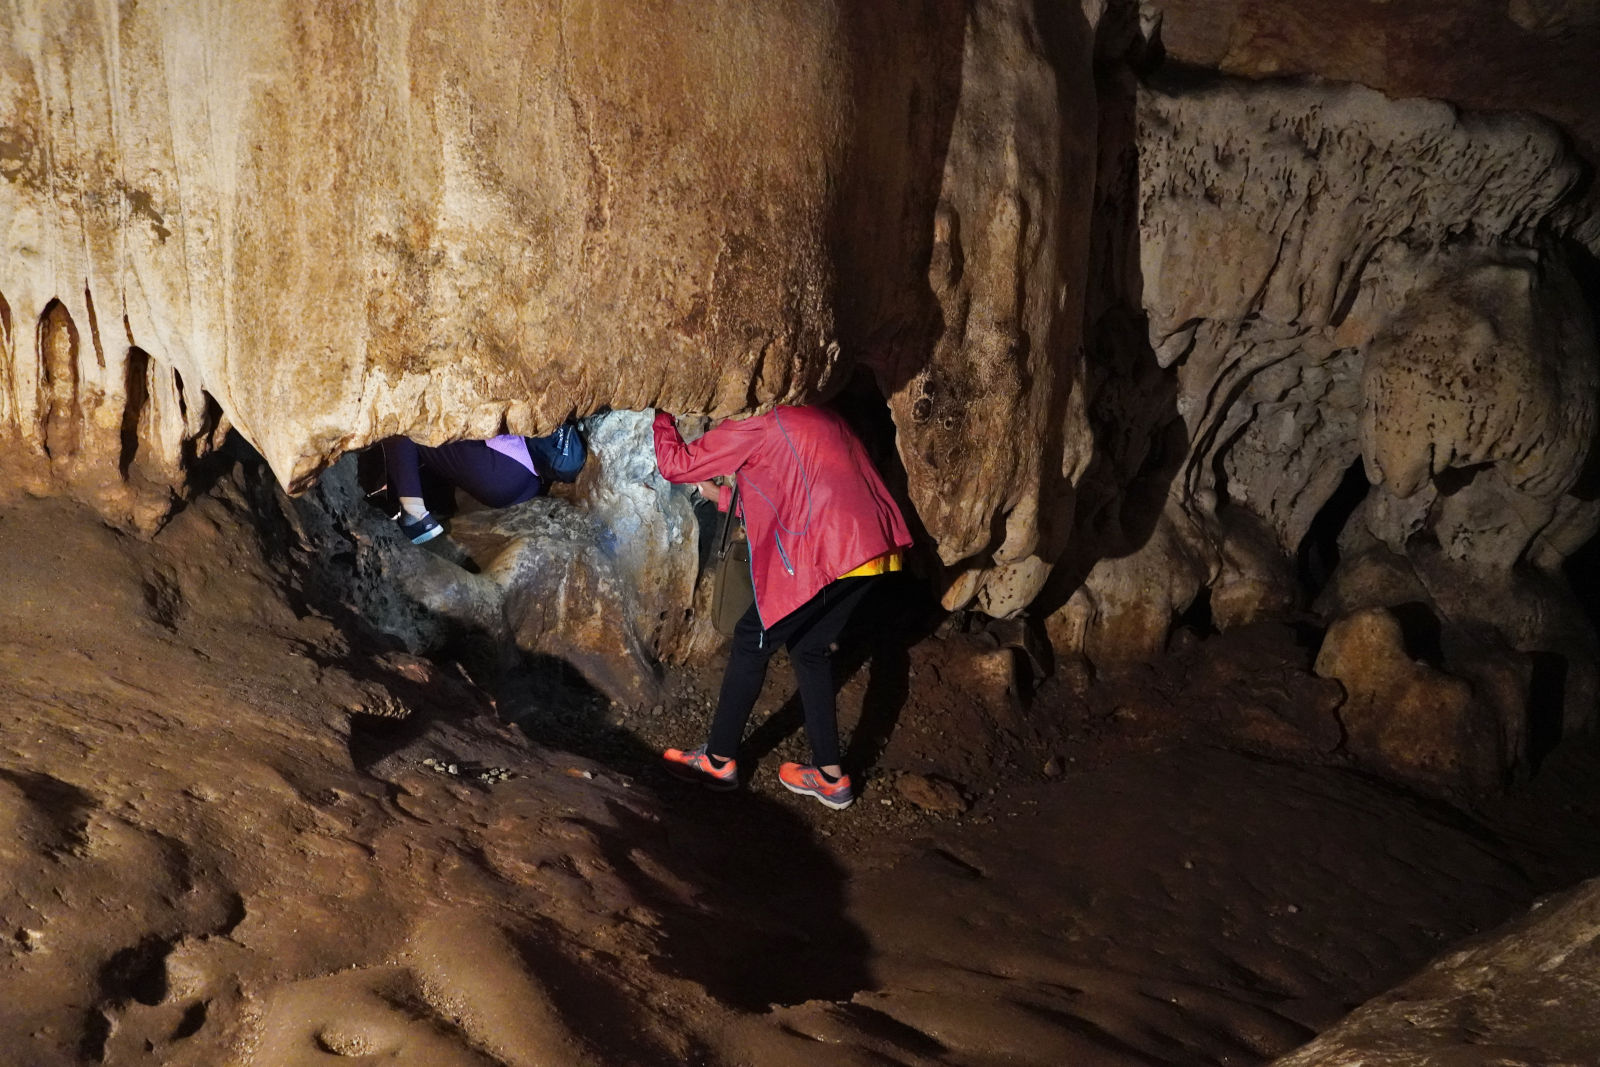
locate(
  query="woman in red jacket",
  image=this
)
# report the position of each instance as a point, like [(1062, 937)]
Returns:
[(820, 524)]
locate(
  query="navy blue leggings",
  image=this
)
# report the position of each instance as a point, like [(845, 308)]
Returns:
[(489, 477), (809, 632)]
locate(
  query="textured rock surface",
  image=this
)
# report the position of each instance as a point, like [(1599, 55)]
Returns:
[(1517, 998), (1408, 719), (599, 575), (322, 229), (1349, 323), (1491, 371), (1128, 333), (422, 220), (991, 424), (604, 582), (1523, 55)]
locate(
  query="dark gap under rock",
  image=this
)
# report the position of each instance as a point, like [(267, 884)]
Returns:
[(1318, 555)]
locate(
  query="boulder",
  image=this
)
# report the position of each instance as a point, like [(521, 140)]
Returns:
[(1408, 719), (600, 575), (1517, 996)]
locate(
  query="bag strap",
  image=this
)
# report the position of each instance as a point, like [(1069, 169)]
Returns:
[(725, 537)]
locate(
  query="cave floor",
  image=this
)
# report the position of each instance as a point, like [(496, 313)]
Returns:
[(233, 835)]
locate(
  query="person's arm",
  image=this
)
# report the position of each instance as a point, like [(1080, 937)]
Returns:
[(722, 450), (719, 493)]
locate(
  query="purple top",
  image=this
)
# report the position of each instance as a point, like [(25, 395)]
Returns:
[(514, 446)]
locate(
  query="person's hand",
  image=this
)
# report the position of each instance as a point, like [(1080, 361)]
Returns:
[(709, 490)]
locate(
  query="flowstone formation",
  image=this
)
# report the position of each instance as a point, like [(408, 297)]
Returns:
[(1337, 289), (320, 230)]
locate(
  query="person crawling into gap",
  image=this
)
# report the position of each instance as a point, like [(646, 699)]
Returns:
[(497, 473), (820, 524)]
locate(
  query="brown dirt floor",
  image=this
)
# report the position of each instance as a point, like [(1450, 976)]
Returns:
[(224, 845)]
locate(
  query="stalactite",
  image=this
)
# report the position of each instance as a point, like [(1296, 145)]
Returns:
[(8, 377), (60, 414), (136, 394)]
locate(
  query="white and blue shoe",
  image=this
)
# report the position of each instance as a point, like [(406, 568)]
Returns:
[(419, 530)]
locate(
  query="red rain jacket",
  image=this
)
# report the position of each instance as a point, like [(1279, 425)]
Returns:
[(813, 506)]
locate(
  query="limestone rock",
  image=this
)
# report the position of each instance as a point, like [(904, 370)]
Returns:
[(1522, 624), (601, 577), (1503, 55), (1256, 581), (1513, 997), (1126, 606), (1374, 577), (986, 428), (931, 793), (1552, 16), (1094, 307), (1406, 718), (1332, 283), (320, 230), (428, 221), (1493, 370)]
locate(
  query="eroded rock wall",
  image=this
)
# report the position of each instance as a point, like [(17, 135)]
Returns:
[(601, 575), (320, 229), (420, 219), (1333, 285)]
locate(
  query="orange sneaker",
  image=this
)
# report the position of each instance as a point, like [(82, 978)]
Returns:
[(809, 781), (695, 766)]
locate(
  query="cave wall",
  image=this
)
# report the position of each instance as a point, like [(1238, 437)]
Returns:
[(1135, 323), (418, 219), (319, 229), (1331, 284)]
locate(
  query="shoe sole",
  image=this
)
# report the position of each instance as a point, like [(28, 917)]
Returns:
[(836, 805), (689, 774), (429, 536)]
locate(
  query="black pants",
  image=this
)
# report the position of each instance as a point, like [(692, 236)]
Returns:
[(809, 632), (489, 477)]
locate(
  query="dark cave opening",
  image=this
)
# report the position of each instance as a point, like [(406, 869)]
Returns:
[(1318, 554), (1422, 632), (1547, 695), (1582, 568), (1197, 617), (1582, 571)]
